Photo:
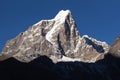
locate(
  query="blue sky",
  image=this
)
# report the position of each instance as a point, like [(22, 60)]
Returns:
[(97, 18)]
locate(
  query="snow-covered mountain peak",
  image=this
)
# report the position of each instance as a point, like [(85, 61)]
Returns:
[(62, 14), (55, 38), (64, 24)]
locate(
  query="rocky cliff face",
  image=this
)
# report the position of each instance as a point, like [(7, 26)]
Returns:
[(115, 48), (58, 39)]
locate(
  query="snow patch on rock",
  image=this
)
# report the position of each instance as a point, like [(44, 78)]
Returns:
[(59, 19), (66, 59)]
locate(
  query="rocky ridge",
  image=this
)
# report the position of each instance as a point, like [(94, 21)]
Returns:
[(58, 39)]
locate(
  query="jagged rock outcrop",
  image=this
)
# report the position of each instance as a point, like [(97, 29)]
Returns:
[(58, 39)]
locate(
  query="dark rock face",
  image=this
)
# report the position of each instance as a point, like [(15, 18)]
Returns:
[(98, 48), (55, 38)]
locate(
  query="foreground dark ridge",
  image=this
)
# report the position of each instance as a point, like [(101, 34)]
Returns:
[(43, 68)]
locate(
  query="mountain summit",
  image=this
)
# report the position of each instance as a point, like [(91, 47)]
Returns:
[(56, 38)]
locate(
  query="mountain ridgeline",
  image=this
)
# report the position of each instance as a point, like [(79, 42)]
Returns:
[(53, 49), (56, 38)]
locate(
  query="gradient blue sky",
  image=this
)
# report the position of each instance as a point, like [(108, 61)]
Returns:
[(97, 18)]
